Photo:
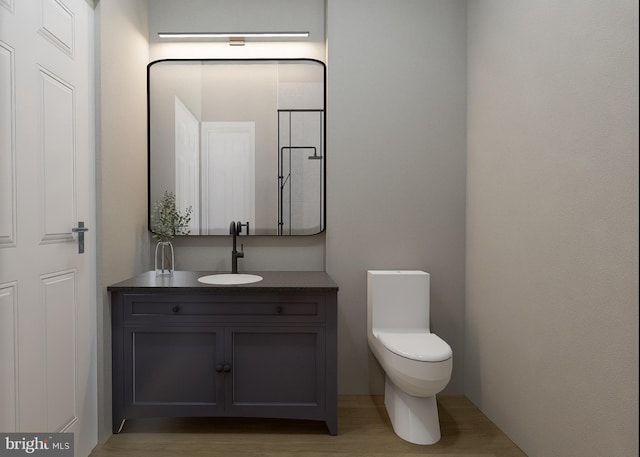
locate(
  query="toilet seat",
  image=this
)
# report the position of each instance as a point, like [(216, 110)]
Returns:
[(415, 344)]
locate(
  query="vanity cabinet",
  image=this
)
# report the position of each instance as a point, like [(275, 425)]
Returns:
[(184, 349)]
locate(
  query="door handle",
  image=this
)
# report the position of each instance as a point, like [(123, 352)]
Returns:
[(80, 229)]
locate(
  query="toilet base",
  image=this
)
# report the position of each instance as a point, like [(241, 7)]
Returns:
[(414, 419)]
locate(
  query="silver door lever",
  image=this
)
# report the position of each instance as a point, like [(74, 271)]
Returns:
[(80, 229)]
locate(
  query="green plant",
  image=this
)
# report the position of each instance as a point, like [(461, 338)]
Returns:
[(167, 221)]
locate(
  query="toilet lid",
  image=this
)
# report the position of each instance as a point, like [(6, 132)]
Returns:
[(415, 344)]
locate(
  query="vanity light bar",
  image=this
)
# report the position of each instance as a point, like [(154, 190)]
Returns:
[(233, 35)]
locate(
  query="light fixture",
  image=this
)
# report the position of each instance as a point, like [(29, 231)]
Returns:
[(240, 35)]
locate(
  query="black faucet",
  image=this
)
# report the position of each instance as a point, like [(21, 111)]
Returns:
[(234, 229)]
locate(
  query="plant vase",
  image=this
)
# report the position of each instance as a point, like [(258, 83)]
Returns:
[(164, 258)]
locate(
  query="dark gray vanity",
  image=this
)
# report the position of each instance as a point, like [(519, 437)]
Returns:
[(265, 349)]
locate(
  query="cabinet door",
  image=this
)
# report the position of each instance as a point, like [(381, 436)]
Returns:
[(173, 370), (276, 371)]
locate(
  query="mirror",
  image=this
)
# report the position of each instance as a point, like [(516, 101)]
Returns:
[(239, 140)]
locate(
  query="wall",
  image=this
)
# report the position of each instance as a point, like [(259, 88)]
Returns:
[(121, 56), (261, 253), (410, 134), (552, 218), (552, 223), (396, 164)]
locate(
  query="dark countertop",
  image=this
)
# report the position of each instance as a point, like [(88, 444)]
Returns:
[(187, 281)]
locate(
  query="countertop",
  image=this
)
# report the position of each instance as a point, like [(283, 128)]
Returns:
[(187, 281)]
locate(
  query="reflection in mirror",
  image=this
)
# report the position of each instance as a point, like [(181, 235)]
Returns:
[(240, 140)]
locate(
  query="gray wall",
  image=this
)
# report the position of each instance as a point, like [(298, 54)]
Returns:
[(261, 253), (395, 152), (552, 223), (551, 317), (396, 164), (122, 52)]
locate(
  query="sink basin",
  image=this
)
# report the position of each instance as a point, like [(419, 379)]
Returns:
[(229, 279)]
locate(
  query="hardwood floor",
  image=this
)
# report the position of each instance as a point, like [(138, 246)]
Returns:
[(364, 430)]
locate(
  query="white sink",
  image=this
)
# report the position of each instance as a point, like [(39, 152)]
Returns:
[(229, 279)]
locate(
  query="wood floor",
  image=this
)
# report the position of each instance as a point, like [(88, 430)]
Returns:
[(364, 430)]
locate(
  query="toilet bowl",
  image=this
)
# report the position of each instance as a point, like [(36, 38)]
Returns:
[(416, 362)]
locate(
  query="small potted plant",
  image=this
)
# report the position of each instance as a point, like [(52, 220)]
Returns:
[(168, 222)]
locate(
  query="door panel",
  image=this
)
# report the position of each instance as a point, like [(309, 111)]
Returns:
[(173, 367), (57, 25), (56, 133), (288, 362), (7, 147), (169, 370), (8, 348), (60, 349)]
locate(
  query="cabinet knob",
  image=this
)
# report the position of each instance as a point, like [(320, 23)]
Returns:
[(226, 368), (279, 309), (219, 368), (175, 309)]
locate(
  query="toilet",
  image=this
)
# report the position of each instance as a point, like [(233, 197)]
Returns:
[(416, 362)]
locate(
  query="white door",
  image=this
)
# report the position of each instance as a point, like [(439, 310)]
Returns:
[(47, 289), (228, 175), (187, 132)]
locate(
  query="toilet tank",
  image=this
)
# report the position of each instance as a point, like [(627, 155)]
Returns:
[(397, 299)]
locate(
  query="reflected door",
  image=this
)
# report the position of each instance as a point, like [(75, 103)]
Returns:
[(228, 175), (188, 164)]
